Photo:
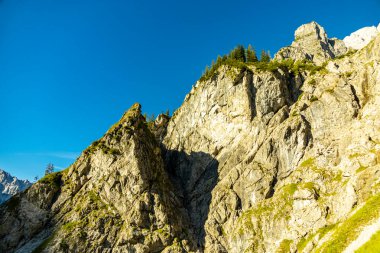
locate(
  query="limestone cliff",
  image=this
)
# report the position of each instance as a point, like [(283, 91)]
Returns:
[(256, 159)]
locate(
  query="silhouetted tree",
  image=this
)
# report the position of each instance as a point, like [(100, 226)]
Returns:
[(49, 169)]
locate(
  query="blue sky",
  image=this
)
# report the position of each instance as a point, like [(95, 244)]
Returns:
[(70, 68)]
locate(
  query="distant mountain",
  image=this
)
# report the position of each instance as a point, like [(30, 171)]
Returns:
[(360, 38), (10, 185)]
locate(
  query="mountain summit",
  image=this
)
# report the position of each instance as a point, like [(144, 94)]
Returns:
[(279, 156), (311, 43)]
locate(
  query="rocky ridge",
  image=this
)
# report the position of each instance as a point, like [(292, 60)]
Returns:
[(255, 160), (10, 185)]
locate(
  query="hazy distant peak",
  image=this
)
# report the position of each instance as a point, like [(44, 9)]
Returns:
[(10, 185), (360, 38)]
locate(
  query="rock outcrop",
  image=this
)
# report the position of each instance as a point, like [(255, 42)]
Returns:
[(255, 160), (10, 185), (311, 43)]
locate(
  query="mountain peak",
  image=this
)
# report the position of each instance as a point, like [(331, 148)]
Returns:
[(313, 30), (312, 43)]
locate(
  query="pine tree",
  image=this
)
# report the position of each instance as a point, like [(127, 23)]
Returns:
[(219, 60), (206, 71), (251, 54), (49, 169), (238, 53), (232, 54), (265, 56)]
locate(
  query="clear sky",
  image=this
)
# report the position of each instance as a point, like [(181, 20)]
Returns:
[(70, 68)]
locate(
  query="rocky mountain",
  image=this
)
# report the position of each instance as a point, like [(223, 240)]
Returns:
[(10, 185), (275, 157)]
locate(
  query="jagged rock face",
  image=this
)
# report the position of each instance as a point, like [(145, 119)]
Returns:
[(311, 43), (115, 198), (279, 172), (10, 185), (339, 169), (232, 148), (253, 161), (361, 38)]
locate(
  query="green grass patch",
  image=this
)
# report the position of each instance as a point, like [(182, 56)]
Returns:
[(322, 232), (361, 168), (349, 53), (214, 69), (284, 246), (372, 245), (355, 155), (308, 185), (350, 229), (308, 162), (70, 226), (52, 179), (312, 81), (99, 144), (94, 197), (313, 98), (304, 242), (289, 189)]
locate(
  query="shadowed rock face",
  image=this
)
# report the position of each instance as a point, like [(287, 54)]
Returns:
[(253, 161)]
